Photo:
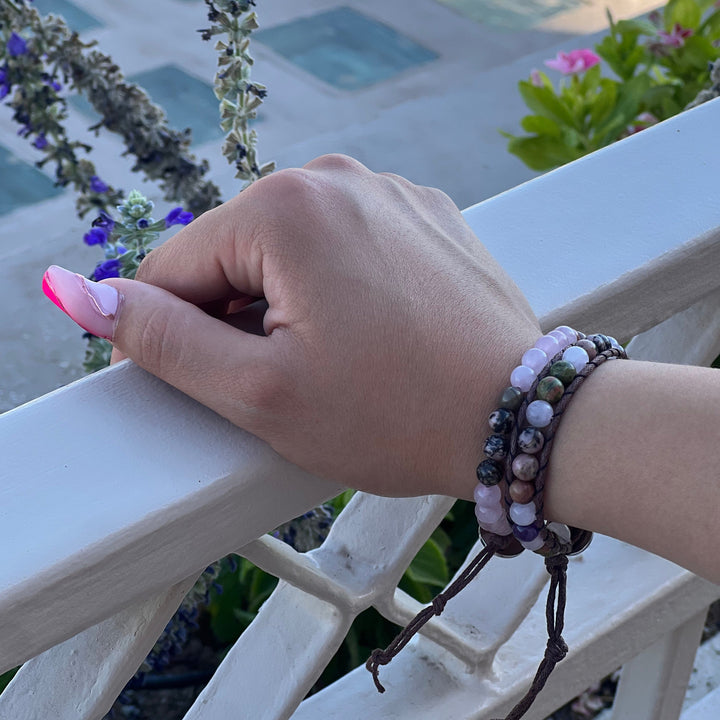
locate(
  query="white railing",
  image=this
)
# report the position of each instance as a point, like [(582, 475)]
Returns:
[(117, 491)]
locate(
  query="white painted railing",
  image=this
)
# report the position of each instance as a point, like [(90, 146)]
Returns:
[(117, 491)]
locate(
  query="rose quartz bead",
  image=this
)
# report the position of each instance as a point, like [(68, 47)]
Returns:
[(535, 359), (487, 494), (549, 345), (533, 545), (521, 492), (523, 513), (522, 377), (539, 413), (501, 527), (525, 467), (488, 515), (577, 356), (561, 337), (569, 333)]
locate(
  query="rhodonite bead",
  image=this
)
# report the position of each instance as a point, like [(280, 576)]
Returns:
[(489, 514), (588, 347), (523, 377), (525, 533), (489, 472), (569, 333), (511, 398), (496, 447), (577, 356), (539, 413), (550, 389), (564, 371), (487, 494), (549, 345), (501, 421), (531, 440), (525, 467), (521, 492), (535, 359), (523, 513)]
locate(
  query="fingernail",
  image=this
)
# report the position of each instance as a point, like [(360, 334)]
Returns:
[(93, 306)]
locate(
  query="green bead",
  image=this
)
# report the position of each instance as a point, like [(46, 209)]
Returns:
[(550, 389), (564, 371), (511, 398)]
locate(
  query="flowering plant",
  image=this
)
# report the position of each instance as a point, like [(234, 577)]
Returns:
[(660, 65)]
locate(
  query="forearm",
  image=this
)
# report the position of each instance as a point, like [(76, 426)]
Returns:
[(637, 457)]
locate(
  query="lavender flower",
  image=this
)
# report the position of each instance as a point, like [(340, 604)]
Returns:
[(177, 216), (103, 220), (16, 45), (96, 236), (107, 269), (40, 141), (97, 185)]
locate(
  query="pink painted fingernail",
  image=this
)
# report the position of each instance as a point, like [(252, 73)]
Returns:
[(93, 306)]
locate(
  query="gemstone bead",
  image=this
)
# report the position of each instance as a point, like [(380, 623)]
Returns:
[(501, 421), (562, 531), (588, 347), (577, 356), (487, 494), (531, 440), (550, 389), (539, 413), (521, 492), (525, 467), (549, 345), (561, 337), (512, 397), (525, 533), (535, 359), (564, 371), (570, 334), (523, 377), (489, 514), (533, 545), (496, 447), (489, 472), (614, 343), (523, 513), (600, 341), (499, 527)]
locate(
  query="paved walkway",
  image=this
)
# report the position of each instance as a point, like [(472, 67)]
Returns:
[(419, 88)]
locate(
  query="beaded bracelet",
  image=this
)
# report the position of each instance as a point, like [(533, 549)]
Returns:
[(511, 482)]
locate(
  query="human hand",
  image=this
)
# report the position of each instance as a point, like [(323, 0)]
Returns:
[(389, 330)]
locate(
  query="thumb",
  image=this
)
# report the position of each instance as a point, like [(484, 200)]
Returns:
[(204, 357)]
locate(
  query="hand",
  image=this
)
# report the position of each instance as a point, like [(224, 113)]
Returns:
[(389, 330)]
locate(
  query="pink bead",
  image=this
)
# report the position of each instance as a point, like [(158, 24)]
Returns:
[(535, 359), (539, 413), (577, 356), (549, 345), (488, 514), (569, 333), (487, 494), (523, 513), (522, 377), (501, 527), (561, 337)]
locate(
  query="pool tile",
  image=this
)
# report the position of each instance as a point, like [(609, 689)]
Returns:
[(74, 16), (188, 101), (511, 14), (345, 48), (22, 184)]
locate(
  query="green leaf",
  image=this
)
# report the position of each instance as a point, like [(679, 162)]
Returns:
[(543, 101), (429, 566), (540, 125), (627, 107), (635, 27), (591, 79), (711, 26), (685, 12), (543, 152), (603, 102)]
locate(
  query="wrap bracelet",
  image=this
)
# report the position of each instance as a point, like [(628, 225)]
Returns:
[(511, 483)]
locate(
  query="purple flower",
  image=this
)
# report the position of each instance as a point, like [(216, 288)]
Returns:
[(16, 45), (97, 185), (120, 249), (142, 223), (177, 216), (4, 90), (50, 82), (107, 269), (40, 141), (95, 236), (676, 37), (103, 220)]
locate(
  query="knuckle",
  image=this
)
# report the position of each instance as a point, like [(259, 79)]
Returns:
[(335, 161), (160, 343)]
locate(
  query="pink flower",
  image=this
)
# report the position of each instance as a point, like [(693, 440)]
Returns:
[(535, 78), (675, 38), (575, 61)]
